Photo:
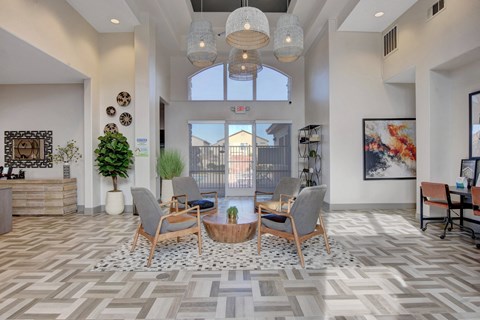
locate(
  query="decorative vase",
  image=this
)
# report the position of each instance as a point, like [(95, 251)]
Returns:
[(66, 170), (115, 203), (167, 190)]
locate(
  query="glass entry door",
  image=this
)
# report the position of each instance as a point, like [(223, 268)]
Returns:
[(240, 167), (225, 157)]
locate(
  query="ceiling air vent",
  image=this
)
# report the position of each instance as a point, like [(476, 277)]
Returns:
[(436, 8), (390, 41)]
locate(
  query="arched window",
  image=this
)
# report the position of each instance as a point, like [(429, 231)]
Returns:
[(210, 83), (207, 84)]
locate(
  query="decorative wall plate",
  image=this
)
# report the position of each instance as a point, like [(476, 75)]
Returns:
[(124, 98), (110, 127), (126, 119), (111, 111)]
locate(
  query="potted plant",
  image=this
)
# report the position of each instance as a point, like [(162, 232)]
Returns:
[(169, 165), (232, 214), (66, 155), (114, 158)]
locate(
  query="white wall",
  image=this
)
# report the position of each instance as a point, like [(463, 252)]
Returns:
[(46, 107), (117, 73), (73, 42), (434, 48), (450, 119), (317, 98), (357, 91)]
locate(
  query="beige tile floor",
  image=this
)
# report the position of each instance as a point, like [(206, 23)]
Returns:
[(45, 265)]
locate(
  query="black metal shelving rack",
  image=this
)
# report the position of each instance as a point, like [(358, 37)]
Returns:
[(310, 155)]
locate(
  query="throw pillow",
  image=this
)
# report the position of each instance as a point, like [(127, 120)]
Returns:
[(203, 204), (274, 217)]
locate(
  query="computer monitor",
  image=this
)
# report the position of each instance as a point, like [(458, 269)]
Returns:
[(468, 169)]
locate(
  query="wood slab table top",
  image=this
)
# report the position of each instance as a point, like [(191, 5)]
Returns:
[(220, 229)]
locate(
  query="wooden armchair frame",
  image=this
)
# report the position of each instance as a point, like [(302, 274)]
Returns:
[(319, 230), (175, 216)]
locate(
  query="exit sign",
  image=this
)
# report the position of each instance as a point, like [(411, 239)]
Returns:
[(240, 109)]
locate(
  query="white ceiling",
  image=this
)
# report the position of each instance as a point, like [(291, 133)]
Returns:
[(362, 18), (22, 63), (99, 12)]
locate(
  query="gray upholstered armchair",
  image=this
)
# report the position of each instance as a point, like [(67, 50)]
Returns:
[(297, 224), (157, 223), (185, 190), (285, 191)]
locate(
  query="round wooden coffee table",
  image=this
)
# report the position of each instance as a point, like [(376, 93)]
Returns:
[(219, 229)]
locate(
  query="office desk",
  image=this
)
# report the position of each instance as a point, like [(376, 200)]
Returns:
[(465, 199)]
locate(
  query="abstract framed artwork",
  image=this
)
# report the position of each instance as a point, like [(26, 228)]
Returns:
[(389, 149), (474, 136)]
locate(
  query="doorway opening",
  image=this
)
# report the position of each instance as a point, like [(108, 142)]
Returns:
[(236, 158)]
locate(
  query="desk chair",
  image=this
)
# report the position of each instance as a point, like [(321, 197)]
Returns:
[(476, 203), (438, 195)]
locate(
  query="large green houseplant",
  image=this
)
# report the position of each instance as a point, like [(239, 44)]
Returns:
[(114, 158), (169, 165)]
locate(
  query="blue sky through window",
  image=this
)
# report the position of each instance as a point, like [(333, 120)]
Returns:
[(208, 84), (212, 132)]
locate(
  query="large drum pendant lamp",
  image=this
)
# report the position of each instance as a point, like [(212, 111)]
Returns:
[(244, 65), (201, 47), (288, 38), (247, 29)]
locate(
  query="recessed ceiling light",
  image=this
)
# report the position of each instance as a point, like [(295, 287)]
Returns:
[(114, 21), (379, 14)]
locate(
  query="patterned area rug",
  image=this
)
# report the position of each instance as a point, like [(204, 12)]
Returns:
[(277, 253)]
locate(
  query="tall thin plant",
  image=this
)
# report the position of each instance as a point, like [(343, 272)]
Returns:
[(170, 164)]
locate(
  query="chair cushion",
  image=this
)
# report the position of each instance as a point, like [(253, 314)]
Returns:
[(172, 227), (203, 204), (274, 217), (274, 205), (280, 226)]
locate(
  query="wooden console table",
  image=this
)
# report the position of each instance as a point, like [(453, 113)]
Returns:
[(5, 210), (43, 197)]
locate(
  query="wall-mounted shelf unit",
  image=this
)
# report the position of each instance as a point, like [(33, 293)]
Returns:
[(310, 155)]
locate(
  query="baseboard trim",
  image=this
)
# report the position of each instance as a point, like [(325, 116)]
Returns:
[(368, 206), (91, 211), (101, 209)]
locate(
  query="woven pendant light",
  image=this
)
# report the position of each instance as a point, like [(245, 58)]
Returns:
[(247, 28), (244, 65), (201, 47), (288, 38)]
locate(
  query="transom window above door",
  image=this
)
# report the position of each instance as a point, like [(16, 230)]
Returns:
[(213, 84)]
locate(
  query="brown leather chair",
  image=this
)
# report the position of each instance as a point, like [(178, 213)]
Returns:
[(438, 195)]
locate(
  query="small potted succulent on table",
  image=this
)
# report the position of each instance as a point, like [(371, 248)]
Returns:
[(232, 214)]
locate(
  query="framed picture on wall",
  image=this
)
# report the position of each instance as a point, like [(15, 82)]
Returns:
[(474, 115), (389, 149)]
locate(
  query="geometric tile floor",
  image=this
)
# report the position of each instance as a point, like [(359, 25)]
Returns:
[(45, 265)]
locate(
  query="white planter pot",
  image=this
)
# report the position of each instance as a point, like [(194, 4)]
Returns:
[(115, 203), (167, 190)]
